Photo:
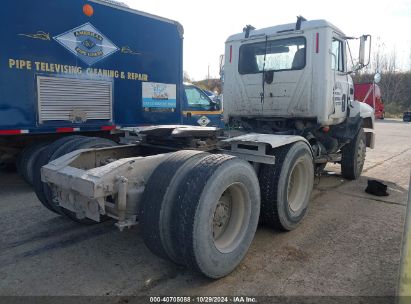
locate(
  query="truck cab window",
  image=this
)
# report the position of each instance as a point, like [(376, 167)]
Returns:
[(197, 99), (337, 61), (275, 55)]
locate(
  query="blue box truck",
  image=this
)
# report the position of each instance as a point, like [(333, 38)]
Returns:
[(89, 67)]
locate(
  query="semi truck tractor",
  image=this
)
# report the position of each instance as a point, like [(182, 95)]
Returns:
[(89, 68), (199, 193)]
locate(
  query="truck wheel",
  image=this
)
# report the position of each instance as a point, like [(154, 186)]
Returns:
[(353, 156), (215, 214), (28, 169), (76, 144), (43, 159), (286, 186), (158, 197), (27, 159)]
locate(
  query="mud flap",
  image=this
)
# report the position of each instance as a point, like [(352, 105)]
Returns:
[(346, 132)]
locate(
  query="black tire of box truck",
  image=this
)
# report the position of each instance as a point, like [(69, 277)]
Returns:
[(215, 215), (286, 187), (158, 198), (18, 162), (43, 159), (353, 156), (76, 144), (27, 159)]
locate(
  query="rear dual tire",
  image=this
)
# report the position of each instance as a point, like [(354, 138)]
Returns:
[(213, 214), (158, 198), (210, 240)]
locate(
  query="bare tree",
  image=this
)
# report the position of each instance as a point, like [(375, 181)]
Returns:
[(393, 84), (186, 77), (378, 56)]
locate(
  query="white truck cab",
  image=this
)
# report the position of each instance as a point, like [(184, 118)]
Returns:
[(289, 71)]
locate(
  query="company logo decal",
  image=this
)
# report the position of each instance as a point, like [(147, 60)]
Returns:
[(87, 43)]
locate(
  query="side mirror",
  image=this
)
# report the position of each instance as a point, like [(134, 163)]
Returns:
[(377, 78), (361, 56), (215, 106)]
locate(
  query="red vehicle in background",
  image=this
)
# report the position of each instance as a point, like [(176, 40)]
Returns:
[(370, 93)]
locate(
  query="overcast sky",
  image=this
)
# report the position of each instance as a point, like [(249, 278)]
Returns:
[(207, 24)]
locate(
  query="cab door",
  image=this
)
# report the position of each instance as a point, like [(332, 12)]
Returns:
[(199, 109), (343, 88)]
